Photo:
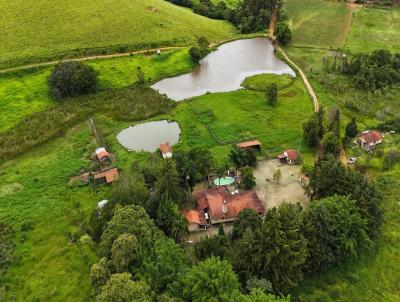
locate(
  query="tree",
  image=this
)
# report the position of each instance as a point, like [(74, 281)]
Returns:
[(129, 190), (140, 76), (195, 53), (124, 252), (217, 246), (241, 158), (99, 274), (331, 144), (335, 231), (257, 295), (168, 183), (203, 42), (248, 179), (283, 33), (284, 248), (261, 284), (210, 280), (121, 288), (313, 129), (272, 94), (247, 218), (131, 219), (71, 78), (351, 129)]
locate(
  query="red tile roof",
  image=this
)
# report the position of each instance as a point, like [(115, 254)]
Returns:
[(254, 143), (102, 153), (165, 148), (223, 205), (292, 154), (371, 136), (192, 216), (110, 175)]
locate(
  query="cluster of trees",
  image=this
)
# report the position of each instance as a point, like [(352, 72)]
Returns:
[(69, 79), (249, 16), (200, 51), (342, 220), (375, 70)]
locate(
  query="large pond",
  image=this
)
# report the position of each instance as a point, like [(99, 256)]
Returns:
[(149, 136), (225, 69)]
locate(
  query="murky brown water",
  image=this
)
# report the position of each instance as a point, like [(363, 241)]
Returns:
[(225, 69), (149, 136)]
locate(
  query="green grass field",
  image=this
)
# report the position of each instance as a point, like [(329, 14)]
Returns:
[(261, 82), (318, 23), (22, 94), (35, 188), (43, 29), (374, 28)]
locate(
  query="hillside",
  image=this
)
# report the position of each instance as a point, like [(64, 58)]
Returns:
[(43, 29)]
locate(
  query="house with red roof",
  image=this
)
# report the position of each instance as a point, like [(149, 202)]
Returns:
[(166, 150), (196, 220), (218, 205), (102, 154), (289, 156), (254, 144), (370, 138), (106, 176)]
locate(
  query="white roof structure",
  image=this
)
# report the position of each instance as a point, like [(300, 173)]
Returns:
[(102, 203)]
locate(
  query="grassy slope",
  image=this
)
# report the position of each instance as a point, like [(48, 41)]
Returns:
[(374, 28), (42, 28), (373, 277), (26, 93), (34, 187), (317, 23), (261, 82)]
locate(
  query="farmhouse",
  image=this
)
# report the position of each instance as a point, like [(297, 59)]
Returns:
[(368, 139), (289, 156), (107, 176), (166, 150), (217, 205), (102, 154), (254, 144)]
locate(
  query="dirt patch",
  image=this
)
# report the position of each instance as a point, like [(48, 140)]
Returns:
[(151, 9), (288, 189), (10, 189)]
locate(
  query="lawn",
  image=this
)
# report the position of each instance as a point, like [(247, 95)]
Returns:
[(24, 93), (34, 189), (374, 28), (261, 82), (42, 29), (318, 23)]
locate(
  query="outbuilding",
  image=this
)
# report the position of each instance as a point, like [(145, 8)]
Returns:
[(102, 154), (166, 150), (370, 138), (289, 156)]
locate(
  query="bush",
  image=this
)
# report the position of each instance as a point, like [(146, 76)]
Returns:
[(70, 79), (283, 33)]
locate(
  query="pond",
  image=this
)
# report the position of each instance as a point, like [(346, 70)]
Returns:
[(148, 136), (225, 69)]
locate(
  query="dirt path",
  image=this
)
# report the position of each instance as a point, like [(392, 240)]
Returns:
[(309, 88), (90, 58)]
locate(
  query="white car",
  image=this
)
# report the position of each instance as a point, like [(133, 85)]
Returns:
[(352, 160)]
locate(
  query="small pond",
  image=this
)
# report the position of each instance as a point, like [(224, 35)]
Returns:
[(148, 136), (225, 69)]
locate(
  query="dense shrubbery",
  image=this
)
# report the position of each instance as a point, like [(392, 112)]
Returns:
[(6, 247), (283, 33), (71, 78)]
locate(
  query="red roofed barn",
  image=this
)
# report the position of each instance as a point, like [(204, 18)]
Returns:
[(289, 156)]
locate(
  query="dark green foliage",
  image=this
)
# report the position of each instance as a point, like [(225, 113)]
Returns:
[(374, 71), (168, 183), (329, 177), (141, 78), (248, 179), (121, 288), (7, 247), (284, 249), (124, 252), (70, 79), (331, 144), (247, 218), (195, 53), (261, 284), (272, 95), (313, 130), (171, 221), (351, 129), (283, 33), (243, 157), (335, 231), (217, 246), (253, 15), (129, 104), (193, 166), (130, 189), (210, 280)]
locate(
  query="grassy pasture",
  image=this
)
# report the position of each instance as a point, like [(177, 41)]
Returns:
[(374, 28), (25, 93), (42, 29), (318, 23), (261, 82), (34, 188)]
